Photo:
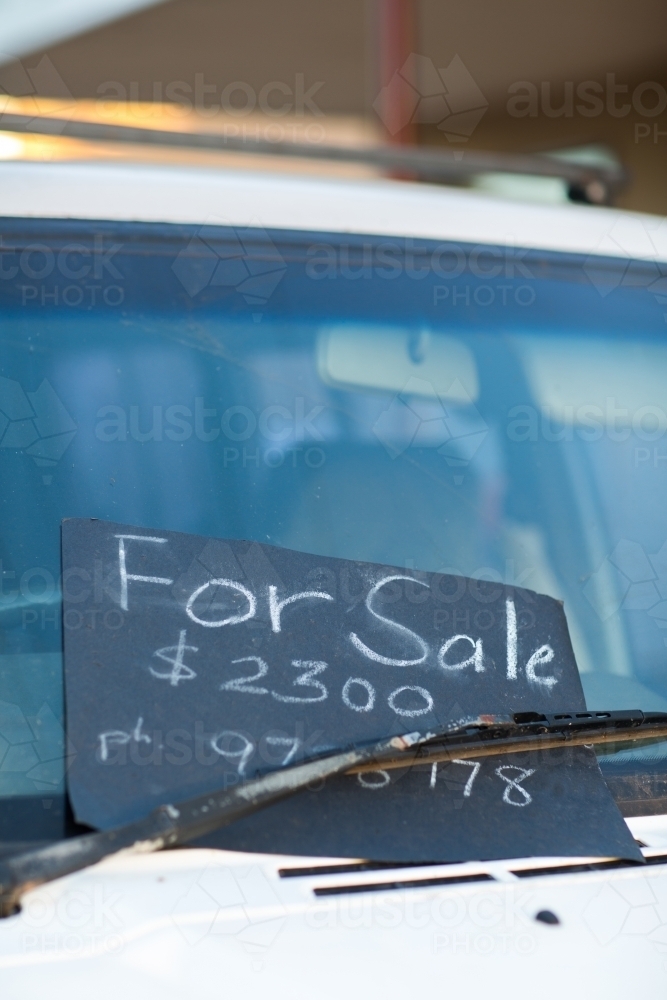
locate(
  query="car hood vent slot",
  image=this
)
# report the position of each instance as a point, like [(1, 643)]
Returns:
[(421, 883), (355, 866)]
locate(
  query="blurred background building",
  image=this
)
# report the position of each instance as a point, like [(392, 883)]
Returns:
[(582, 78)]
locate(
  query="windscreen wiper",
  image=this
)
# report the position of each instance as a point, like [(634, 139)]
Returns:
[(595, 184), (170, 825)]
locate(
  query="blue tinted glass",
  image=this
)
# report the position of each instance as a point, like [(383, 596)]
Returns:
[(486, 411)]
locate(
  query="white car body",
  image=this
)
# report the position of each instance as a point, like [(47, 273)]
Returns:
[(205, 923)]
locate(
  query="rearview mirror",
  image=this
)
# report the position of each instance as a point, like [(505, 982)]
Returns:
[(386, 359)]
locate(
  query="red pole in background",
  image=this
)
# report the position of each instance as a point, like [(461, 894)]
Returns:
[(395, 103)]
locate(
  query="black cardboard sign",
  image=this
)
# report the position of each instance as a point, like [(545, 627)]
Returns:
[(194, 663)]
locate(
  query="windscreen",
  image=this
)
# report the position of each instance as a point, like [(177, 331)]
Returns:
[(482, 411)]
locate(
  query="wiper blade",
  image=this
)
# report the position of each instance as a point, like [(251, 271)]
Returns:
[(524, 731), (589, 183), (171, 825)]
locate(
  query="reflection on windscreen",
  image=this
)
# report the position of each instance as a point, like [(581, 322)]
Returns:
[(522, 445)]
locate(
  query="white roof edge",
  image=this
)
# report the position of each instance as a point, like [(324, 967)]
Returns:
[(127, 192)]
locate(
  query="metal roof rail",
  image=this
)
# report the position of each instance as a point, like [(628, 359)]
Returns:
[(593, 184)]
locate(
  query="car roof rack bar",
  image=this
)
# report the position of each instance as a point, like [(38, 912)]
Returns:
[(591, 184)]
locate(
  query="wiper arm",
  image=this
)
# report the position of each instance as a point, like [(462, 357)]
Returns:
[(170, 825), (591, 183), (524, 731)]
